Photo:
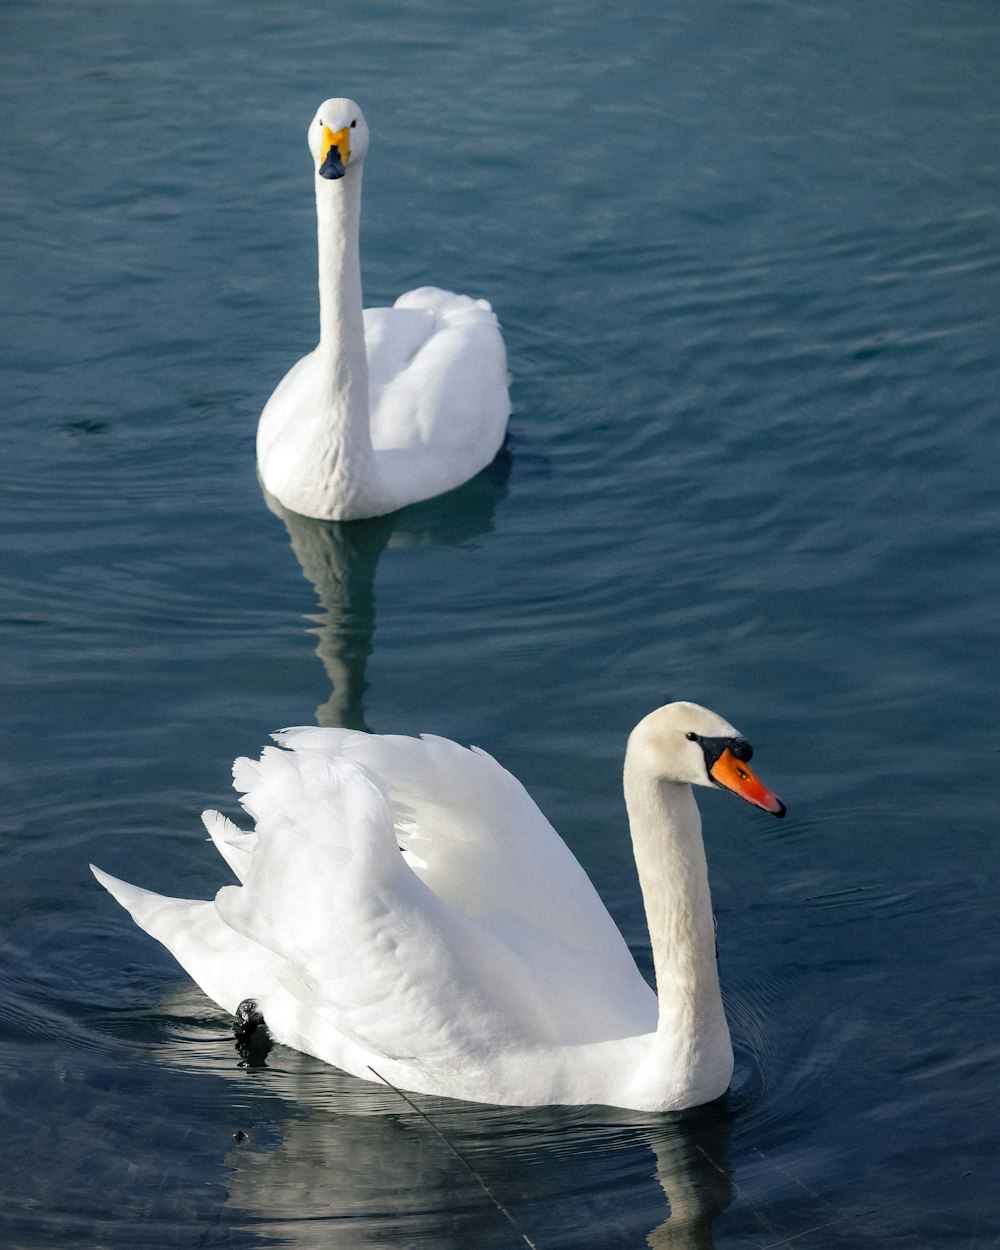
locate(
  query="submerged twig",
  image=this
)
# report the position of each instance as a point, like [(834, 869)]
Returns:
[(462, 1159), (853, 1215)]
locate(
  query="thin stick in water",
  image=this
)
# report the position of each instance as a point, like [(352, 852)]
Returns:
[(461, 1158)]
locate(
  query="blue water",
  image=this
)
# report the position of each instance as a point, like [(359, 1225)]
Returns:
[(747, 260)]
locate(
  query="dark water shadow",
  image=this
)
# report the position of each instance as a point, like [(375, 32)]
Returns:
[(340, 559)]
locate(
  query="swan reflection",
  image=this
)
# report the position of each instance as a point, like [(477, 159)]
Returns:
[(364, 1169), (318, 1160), (340, 559), (691, 1167)]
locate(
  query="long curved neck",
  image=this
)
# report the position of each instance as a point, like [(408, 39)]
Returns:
[(346, 446), (670, 858)]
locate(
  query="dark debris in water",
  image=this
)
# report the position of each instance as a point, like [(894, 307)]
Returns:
[(86, 426)]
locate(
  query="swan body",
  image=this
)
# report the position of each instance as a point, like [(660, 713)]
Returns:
[(480, 962), (395, 404)]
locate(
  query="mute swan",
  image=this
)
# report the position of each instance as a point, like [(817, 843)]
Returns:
[(480, 963), (395, 404)]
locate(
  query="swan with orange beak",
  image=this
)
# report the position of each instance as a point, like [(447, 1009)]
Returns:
[(479, 963)]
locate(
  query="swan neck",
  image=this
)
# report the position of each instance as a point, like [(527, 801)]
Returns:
[(673, 874), (344, 364), (344, 455)]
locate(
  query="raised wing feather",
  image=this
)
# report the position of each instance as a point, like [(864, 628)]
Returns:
[(476, 840), (405, 899), (363, 939)]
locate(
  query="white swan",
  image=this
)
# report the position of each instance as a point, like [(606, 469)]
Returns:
[(395, 404), (480, 963)]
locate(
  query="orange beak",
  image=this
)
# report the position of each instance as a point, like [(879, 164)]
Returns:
[(733, 774)]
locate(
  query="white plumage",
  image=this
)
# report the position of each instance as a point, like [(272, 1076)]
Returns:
[(395, 404), (405, 906)]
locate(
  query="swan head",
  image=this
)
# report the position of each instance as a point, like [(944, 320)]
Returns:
[(687, 744), (338, 138)]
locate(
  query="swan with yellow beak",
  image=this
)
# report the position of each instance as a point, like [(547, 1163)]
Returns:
[(394, 405)]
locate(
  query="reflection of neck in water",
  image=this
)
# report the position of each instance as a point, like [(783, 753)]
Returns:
[(691, 1166), (340, 559)]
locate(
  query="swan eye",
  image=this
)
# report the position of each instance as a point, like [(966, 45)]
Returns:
[(354, 123), (691, 737)]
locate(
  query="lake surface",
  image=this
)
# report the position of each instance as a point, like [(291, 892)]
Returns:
[(747, 260)]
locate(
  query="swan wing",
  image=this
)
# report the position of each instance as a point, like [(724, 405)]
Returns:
[(349, 955), (475, 840), (438, 388), (365, 943), (290, 433), (401, 899)]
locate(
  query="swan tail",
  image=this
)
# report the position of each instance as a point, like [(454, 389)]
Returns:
[(226, 966), (148, 909)]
